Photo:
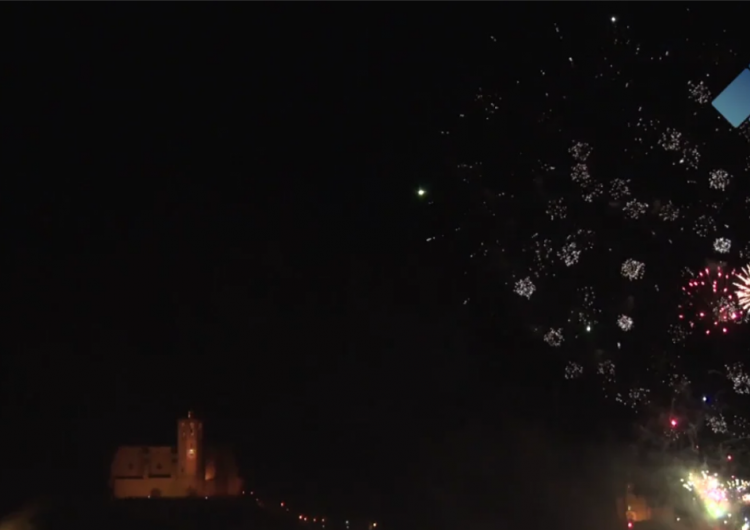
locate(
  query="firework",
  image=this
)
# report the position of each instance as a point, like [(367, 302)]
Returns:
[(720, 498), (719, 179), (742, 285), (710, 303), (632, 269), (722, 245), (525, 287), (594, 225), (625, 323), (554, 337)]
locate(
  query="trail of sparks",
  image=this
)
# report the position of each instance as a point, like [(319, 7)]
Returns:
[(721, 498)]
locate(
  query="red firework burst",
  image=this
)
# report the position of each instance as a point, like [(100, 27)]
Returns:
[(710, 302)]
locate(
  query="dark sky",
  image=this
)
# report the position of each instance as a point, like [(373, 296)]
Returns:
[(216, 211), (220, 215)]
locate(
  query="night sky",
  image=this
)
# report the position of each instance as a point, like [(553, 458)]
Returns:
[(221, 216), (217, 212)]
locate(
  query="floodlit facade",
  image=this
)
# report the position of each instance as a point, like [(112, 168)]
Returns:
[(636, 509), (188, 469)]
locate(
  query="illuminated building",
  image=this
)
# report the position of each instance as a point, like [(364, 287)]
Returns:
[(188, 469), (636, 509)]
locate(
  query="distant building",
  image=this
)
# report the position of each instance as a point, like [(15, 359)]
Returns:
[(635, 508), (186, 470)]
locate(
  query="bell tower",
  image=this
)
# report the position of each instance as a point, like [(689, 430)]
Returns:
[(190, 457)]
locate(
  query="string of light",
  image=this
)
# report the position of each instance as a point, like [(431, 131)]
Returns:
[(313, 520)]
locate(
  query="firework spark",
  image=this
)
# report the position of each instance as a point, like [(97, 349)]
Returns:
[(710, 303), (743, 288), (577, 212), (719, 497)]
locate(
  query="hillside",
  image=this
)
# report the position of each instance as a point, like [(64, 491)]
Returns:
[(188, 514)]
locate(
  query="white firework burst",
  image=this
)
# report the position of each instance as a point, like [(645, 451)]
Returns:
[(625, 323), (632, 269), (525, 287), (722, 245), (743, 288), (554, 337)]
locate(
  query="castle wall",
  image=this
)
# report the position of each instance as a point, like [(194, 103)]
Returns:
[(162, 461), (129, 488), (137, 461), (157, 487), (128, 462)]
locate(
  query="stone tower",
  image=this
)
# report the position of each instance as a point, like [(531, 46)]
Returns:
[(190, 453)]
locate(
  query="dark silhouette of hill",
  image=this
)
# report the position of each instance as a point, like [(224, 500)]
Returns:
[(148, 514)]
